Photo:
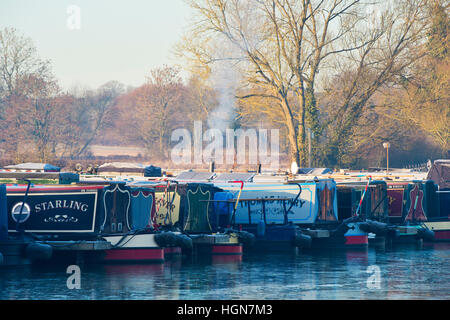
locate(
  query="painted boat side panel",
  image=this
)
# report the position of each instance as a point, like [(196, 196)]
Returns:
[(304, 210), (53, 212), (163, 200)]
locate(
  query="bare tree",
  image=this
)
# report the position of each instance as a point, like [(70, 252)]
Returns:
[(156, 103), (280, 46), (86, 116), (19, 60), (422, 97), (362, 73), (25, 81)]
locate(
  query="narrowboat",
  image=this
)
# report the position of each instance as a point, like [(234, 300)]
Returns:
[(44, 221), (367, 200), (291, 215), (186, 208), (99, 223), (18, 245), (383, 206), (126, 224), (440, 174), (129, 225), (414, 206)]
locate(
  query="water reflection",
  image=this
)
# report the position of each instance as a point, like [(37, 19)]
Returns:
[(405, 273)]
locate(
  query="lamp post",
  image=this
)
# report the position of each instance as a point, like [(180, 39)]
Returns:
[(386, 145)]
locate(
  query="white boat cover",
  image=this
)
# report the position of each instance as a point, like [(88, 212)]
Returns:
[(440, 173), (44, 167)]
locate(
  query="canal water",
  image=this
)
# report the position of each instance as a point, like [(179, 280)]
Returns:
[(397, 273)]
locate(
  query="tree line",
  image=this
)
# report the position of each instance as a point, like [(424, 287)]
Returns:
[(353, 73), (338, 78)]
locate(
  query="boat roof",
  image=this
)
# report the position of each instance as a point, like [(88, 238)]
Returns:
[(33, 166), (195, 176), (20, 188)]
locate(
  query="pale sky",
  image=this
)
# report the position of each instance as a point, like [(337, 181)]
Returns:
[(117, 40)]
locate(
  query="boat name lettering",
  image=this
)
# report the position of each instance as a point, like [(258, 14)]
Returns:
[(61, 204), (297, 203)]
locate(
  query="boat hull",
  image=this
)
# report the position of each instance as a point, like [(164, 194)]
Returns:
[(441, 230), (12, 253), (216, 244), (172, 252), (134, 255), (341, 242), (133, 248), (219, 249)]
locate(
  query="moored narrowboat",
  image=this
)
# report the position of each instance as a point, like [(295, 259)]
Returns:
[(382, 207), (367, 200), (440, 224), (415, 208), (128, 224), (45, 220), (186, 209), (293, 215), (110, 222)]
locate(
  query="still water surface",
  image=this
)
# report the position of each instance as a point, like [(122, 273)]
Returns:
[(405, 273)]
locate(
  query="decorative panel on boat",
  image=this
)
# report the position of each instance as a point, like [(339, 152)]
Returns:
[(167, 204), (303, 211), (327, 201), (197, 219), (142, 207), (53, 212), (413, 208), (117, 206), (395, 202)]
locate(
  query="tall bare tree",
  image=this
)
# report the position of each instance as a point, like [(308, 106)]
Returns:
[(280, 48), (359, 74), (424, 97), (19, 60), (156, 103), (26, 85)]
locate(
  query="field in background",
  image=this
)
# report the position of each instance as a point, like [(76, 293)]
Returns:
[(101, 154), (112, 151)]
